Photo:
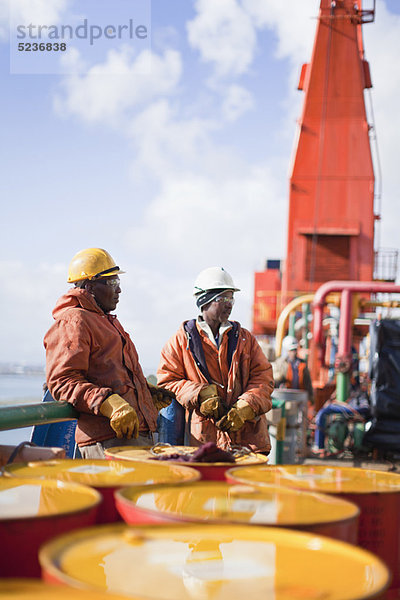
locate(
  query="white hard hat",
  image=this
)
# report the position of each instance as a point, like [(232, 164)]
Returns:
[(300, 323), (289, 343), (213, 278)]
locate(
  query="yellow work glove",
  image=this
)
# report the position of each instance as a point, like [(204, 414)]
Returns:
[(236, 417), (123, 418), (210, 403), (161, 397)]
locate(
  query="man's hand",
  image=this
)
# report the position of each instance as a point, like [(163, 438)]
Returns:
[(240, 412), (123, 418), (161, 396), (211, 405)]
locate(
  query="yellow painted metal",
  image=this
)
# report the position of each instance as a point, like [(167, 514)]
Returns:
[(205, 562), (218, 501), (25, 499), (105, 473), (35, 589), (283, 317), (290, 307), (316, 478), (144, 454)]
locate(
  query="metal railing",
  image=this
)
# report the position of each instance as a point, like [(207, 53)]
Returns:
[(44, 413)]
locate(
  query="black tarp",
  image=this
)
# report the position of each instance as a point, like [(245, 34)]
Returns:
[(384, 371)]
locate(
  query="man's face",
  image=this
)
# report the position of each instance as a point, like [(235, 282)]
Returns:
[(220, 308), (292, 354), (106, 291)]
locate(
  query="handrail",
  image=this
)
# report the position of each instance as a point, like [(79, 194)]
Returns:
[(26, 415), (42, 413)]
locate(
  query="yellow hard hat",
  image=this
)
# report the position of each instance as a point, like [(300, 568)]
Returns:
[(92, 263)]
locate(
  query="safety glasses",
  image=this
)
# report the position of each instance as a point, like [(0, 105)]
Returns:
[(225, 300), (113, 282)]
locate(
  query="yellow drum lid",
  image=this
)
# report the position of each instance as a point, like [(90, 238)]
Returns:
[(239, 503), (104, 473), (31, 498), (332, 480), (34, 589), (209, 562), (146, 453)]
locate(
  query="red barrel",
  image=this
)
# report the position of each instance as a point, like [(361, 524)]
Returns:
[(35, 589), (105, 476), (209, 471), (376, 493), (218, 502), (200, 561), (33, 511)]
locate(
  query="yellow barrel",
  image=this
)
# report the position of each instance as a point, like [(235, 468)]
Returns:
[(105, 475), (224, 503), (32, 511), (210, 471), (205, 562), (34, 589), (376, 493)]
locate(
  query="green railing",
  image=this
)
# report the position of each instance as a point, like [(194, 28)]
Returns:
[(43, 413), (26, 415)]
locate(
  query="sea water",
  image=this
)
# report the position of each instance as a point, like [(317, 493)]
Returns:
[(16, 390)]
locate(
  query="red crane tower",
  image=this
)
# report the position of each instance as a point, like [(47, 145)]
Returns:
[(331, 199)]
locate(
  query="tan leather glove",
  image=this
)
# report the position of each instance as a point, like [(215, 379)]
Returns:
[(240, 412), (161, 397), (123, 418), (210, 403)]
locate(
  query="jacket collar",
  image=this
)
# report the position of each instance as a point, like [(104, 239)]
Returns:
[(76, 298)]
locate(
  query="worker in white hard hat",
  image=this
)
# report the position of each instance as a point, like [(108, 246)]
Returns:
[(217, 371), (290, 371), (92, 363)]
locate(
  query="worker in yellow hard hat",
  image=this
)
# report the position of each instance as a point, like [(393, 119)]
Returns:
[(92, 362)]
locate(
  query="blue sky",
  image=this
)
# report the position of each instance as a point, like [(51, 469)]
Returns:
[(173, 170)]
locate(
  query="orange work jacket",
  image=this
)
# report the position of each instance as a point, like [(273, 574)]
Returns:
[(289, 375), (90, 356), (249, 378)]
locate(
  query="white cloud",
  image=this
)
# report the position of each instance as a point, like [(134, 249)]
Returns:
[(224, 35), (165, 142), (30, 11), (293, 23), (225, 32), (29, 311), (108, 91), (236, 102), (207, 216)]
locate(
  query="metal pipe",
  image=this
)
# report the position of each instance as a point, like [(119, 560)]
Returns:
[(339, 286), (280, 325), (281, 322), (345, 324), (27, 415), (292, 319), (342, 386)]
